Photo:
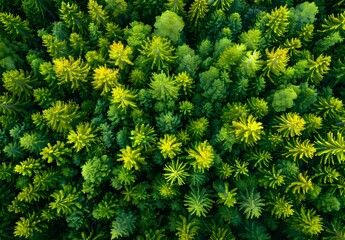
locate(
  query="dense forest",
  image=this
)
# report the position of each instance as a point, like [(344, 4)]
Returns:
[(172, 119)]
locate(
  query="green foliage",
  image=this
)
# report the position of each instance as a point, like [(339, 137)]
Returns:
[(281, 207), (71, 72), (176, 171), (331, 148), (66, 200), (169, 25), (105, 79), (123, 225), (60, 116), (248, 130), (224, 5), (251, 204), (28, 167), (18, 82), (303, 14), (184, 82), (302, 184), (163, 86), (202, 154), (15, 26), (169, 146), (300, 150), (94, 171), (334, 22), (143, 136), (97, 13), (168, 122), (131, 158), (120, 55), (73, 17), (187, 228), (27, 226), (258, 107), (197, 11), (33, 142), (276, 62), (197, 202), (307, 222), (123, 98), (197, 128), (157, 51), (163, 119), (272, 178), (232, 56), (284, 98), (317, 68), (226, 196), (57, 152), (329, 107), (278, 22), (290, 124), (252, 39)]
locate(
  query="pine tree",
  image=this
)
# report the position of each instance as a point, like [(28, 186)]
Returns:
[(97, 14), (73, 17), (158, 52), (105, 209), (331, 107), (55, 47), (197, 128), (317, 68), (29, 167), (15, 26), (120, 54), (326, 174), (281, 207), (177, 6), (105, 79), (123, 98), (224, 5), (276, 62), (176, 171), (240, 168), (131, 158), (187, 228), (197, 11), (84, 136), (251, 203), (18, 82), (331, 148), (71, 72), (27, 226), (57, 152), (198, 203), (123, 225), (60, 116), (163, 87), (290, 124), (226, 196), (169, 146), (203, 156), (334, 23), (33, 142), (307, 222), (300, 150), (272, 178), (248, 130), (278, 22), (66, 200), (303, 184)]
